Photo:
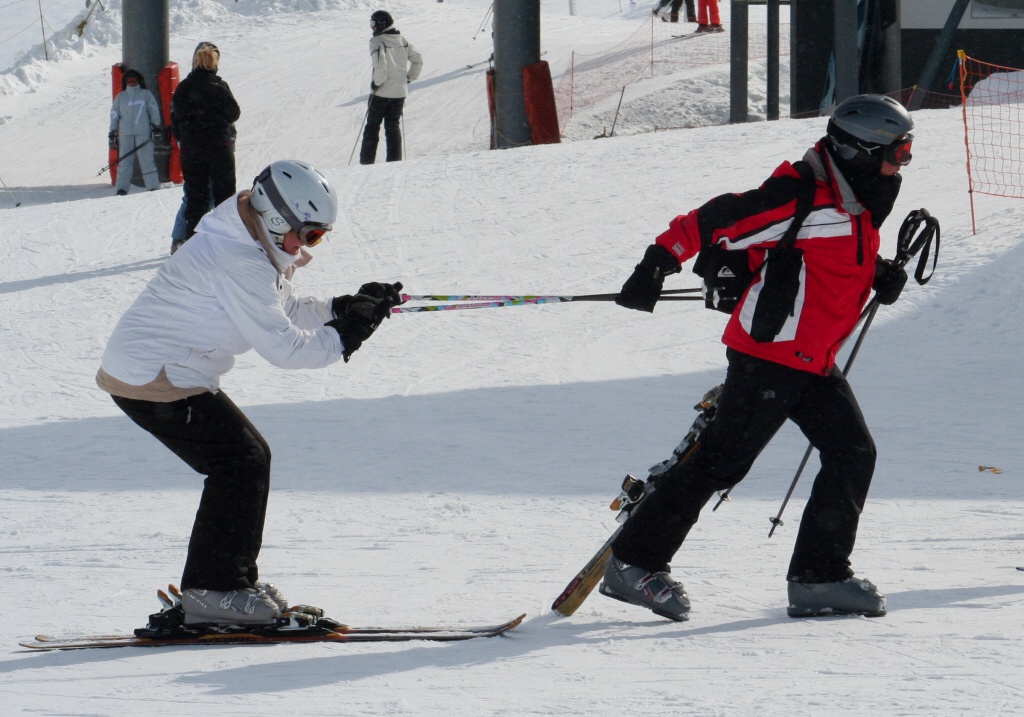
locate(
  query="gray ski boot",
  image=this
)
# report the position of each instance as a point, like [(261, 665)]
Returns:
[(656, 591), (271, 591), (852, 596), (228, 607)]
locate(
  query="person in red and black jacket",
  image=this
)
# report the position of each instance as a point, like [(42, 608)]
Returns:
[(792, 376)]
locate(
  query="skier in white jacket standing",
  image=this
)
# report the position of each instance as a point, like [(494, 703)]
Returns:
[(135, 124), (228, 290), (396, 63)]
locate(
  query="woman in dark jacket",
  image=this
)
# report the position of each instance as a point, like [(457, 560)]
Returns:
[(203, 113)]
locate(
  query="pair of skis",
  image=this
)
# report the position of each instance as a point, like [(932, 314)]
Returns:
[(300, 623), (305, 624)]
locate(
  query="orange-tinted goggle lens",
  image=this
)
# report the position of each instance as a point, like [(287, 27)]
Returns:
[(899, 152), (313, 234)]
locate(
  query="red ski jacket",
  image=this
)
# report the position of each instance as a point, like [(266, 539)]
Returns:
[(839, 243)]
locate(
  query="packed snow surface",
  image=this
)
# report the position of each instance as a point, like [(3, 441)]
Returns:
[(459, 468)]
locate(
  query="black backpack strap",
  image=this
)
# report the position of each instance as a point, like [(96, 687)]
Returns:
[(804, 202)]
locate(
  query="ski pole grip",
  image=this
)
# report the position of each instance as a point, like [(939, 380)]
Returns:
[(913, 238)]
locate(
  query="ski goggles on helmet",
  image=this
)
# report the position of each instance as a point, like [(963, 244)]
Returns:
[(310, 233), (899, 151)]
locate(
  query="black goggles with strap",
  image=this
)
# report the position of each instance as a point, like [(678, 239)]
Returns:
[(899, 151), (310, 233)]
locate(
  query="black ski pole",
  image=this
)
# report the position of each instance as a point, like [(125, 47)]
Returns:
[(361, 125), (17, 202), (123, 157), (490, 9), (910, 240)]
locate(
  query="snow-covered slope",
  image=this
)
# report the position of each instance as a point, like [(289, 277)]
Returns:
[(459, 468)]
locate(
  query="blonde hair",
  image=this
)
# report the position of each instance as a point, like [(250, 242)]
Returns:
[(206, 58)]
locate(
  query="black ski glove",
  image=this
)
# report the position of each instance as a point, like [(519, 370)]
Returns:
[(158, 133), (642, 290), (112, 140), (889, 281), (357, 317), (381, 290)]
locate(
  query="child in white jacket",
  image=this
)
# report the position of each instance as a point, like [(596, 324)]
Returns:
[(135, 124)]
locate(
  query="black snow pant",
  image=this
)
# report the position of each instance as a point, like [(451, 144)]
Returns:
[(757, 399), (206, 168), (691, 12), (389, 111), (215, 438)]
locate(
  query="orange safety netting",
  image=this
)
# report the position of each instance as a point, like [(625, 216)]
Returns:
[(655, 47), (992, 98)]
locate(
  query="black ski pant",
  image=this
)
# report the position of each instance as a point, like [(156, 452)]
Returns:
[(215, 439), (206, 168), (691, 12), (389, 111), (757, 399)]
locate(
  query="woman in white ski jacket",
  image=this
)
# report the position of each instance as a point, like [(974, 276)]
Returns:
[(227, 290), (396, 63)]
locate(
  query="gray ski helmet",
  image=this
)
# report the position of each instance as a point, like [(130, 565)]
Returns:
[(381, 21), (862, 125), (204, 45), (289, 194)]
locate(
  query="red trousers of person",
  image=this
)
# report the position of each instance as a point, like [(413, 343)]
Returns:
[(706, 9)]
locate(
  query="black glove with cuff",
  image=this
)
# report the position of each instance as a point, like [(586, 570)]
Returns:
[(112, 140), (643, 289), (357, 317), (380, 290), (889, 281)]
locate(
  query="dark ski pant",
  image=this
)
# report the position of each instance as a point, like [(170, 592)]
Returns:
[(215, 439), (757, 399), (691, 12), (206, 168), (389, 111)]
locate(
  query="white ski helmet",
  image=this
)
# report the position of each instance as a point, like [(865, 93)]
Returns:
[(292, 195), (865, 129)]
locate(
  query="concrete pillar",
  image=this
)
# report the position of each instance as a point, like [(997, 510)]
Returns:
[(516, 26), (145, 46), (810, 46), (145, 38), (739, 32), (847, 54)]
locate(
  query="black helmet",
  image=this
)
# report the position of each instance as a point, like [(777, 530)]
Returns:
[(866, 129), (381, 21), (132, 73)]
